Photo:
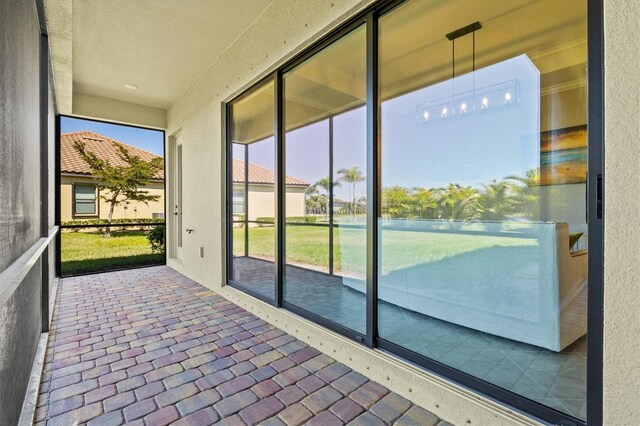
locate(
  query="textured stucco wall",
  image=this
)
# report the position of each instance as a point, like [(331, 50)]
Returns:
[(144, 210), (91, 106), (59, 15), (262, 201), (622, 204), (279, 33), (19, 196)]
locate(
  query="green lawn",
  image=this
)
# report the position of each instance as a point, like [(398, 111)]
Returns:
[(309, 245), (84, 252)]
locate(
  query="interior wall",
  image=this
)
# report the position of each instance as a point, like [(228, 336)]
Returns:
[(565, 203), (621, 207), (19, 196)]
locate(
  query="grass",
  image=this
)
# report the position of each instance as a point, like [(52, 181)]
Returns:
[(84, 252), (309, 246)]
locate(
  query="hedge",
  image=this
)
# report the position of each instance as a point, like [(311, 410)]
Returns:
[(113, 221), (289, 219)]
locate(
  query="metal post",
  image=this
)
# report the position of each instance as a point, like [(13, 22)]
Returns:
[(44, 176), (595, 210), (330, 195), (373, 176), (57, 201), (280, 214), (229, 189), (246, 200)]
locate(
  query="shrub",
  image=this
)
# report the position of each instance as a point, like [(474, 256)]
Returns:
[(113, 221), (290, 219), (156, 239)]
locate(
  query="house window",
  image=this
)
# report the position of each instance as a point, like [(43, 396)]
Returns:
[(85, 200), (238, 202)]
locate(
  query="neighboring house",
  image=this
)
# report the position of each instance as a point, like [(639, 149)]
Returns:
[(261, 190), (79, 194)]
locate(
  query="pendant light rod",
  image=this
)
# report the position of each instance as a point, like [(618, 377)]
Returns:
[(464, 31), (453, 35)]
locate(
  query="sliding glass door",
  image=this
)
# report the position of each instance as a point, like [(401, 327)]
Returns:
[(438, 172), (251, 184), (325, 146), (483, 233)]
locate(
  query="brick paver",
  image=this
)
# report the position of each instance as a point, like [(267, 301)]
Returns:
[(149, 346)]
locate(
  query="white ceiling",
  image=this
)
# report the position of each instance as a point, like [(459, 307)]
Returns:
[(161, 46)]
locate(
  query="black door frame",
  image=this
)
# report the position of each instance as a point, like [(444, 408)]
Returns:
[(595, 210), (58, 186)]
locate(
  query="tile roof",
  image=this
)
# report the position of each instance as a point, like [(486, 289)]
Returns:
[(260, 175), (102, 146)]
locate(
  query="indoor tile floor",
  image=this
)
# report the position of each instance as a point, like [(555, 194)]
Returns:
[(151, 347), (557, 380)]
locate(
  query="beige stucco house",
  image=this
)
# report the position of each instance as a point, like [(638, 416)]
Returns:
[(79, 195), (261, 190)]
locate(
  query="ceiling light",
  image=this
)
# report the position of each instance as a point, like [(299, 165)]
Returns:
[(130, 86), (480, 99)]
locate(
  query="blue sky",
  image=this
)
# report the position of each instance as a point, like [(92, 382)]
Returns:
[(148, 140), (307, 150), (472, 149)]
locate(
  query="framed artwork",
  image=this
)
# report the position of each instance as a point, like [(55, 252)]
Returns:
[(563, 156)]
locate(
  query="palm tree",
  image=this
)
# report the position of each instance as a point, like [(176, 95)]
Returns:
[(325, 184), (316, 203), (495, 202), (526, 193), (396, 201), (352, 176), (457, 202), (426, 202)]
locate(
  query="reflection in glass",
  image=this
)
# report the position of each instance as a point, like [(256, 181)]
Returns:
[(325, 147), (253, 192), (483, 233)]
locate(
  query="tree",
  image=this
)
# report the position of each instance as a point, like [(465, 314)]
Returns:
[(122, 183), (396, 201), (325, 184), (316, 203), (526, 193), (495, 202), (352, 176), (457, 202), (425, 202)]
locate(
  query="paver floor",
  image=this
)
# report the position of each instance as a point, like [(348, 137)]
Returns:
[(151, 347), (555, 379)]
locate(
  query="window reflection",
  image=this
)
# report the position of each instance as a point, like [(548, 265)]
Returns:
[(325, 145), (483, 232), (253, 181)]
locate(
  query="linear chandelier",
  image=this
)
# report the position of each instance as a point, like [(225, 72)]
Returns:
[(469, 103)]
